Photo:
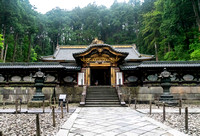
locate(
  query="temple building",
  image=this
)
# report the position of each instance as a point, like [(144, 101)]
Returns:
[(100, 63), (100, 74)]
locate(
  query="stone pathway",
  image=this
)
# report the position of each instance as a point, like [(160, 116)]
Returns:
[(110, 121)]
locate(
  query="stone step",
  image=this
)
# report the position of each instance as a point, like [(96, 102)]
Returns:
[(103, 105), (91, 95), (100, 91), (96, 93), (102, 100), (103, 88), (100, 96)]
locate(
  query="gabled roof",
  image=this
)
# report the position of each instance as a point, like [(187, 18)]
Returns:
[(65, 53), (160, 64), (147, 64), (133, 55), (41, 65)]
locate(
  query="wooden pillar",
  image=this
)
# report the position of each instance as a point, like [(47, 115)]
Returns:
[(43, 106), (113, 71), (164, 112), (61, 107), (186, 119), (150, 107), (53, 116), (87, 76), (37, 125)]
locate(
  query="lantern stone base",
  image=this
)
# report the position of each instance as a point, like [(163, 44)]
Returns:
[(38, 96), (166, 97), (38, 104)]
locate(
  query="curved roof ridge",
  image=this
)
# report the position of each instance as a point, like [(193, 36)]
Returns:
[(135, 50), (56, 52), (97, 45)]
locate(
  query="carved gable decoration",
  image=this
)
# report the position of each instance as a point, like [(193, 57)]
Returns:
[(100, 55)]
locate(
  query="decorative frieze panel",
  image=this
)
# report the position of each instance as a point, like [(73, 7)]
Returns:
[(152, 77), (68, 79), (28, 79), (132, 78), (188, 77), (16, 78), (50, 78), (2, 78)]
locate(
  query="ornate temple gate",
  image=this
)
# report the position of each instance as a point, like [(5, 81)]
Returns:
[(92, 74), (100, 64)]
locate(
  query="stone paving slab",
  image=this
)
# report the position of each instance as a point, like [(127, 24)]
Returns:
[(113, 121)]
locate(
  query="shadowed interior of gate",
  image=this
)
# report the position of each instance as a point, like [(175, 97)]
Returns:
[(100, 76)]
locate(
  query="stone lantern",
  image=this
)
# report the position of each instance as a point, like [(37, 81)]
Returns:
[(166, 84), (39, 83)]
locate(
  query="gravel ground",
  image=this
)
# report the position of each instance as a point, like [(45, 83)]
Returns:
[(25, 124), (177, 121)]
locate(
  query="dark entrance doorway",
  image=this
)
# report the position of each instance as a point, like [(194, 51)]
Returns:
[(100, 75)]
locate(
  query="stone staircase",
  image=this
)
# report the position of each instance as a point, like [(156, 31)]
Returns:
[(102, 96)]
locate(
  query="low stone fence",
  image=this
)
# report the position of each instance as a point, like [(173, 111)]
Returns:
[(189, 94), (10, 94)]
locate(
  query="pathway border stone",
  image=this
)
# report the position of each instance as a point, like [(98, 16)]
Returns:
[(69, 123)]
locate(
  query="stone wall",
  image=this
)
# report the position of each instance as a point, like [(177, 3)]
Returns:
[(10, 94), (153, 93), (188, 93)]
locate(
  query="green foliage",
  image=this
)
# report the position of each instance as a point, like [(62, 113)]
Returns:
[(38, 50), (33, 55), (1, 41), (179, 53), (151, 32), (170, 24), (195, 55), (195, 51)]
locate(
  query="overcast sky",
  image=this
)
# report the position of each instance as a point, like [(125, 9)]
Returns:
[(44, 6)]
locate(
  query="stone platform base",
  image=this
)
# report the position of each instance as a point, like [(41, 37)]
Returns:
[(38, 104)]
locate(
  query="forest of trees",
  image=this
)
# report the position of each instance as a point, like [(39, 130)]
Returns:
[(168, 28)]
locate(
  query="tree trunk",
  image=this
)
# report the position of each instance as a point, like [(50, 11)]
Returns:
[(29, 48), (156, 52), (196, 12), (4, 59), (15, 45), (165, 49), (169, 48), (2, 50)]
